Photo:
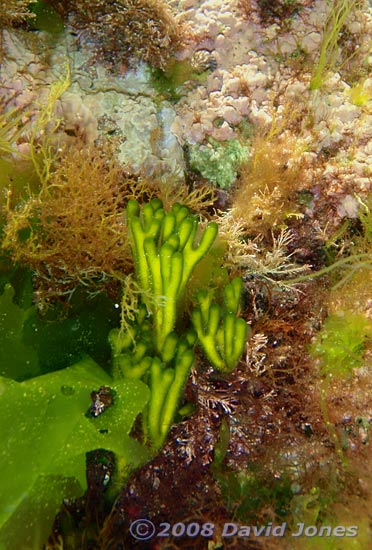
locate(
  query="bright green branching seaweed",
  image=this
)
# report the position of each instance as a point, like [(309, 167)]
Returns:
[(166, 248), (165, 252), (166, 385), (221, 333), (166, 375)]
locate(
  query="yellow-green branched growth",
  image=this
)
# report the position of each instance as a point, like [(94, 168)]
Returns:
[(166, 248), (220, 331)]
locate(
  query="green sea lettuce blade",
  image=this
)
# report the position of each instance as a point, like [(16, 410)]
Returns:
[(18, 360), (46, 433)]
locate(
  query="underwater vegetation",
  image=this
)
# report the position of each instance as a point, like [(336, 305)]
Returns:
[(52, 414), (119, 30), (264, 258), (72, 230), (348, 253), (165, 254), (29, 145), (63, 202), (166, 248), (329, 55), (278, 12), (340, 344), (360, 92), (270, 180), (154, 340), (10, 131), (218, 162), (15, 12), (169, 82)]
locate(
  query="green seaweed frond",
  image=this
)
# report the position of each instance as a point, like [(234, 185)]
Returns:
[(11, 128), (360, 93), (340, 344), (340, 11), (45, 125)]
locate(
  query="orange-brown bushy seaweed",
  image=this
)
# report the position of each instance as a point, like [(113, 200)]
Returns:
[(73, 229), (269, 183), (15, 12)]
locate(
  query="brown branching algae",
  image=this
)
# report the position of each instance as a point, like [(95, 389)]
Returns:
[(66, 233), (15, 12), (123, 29)]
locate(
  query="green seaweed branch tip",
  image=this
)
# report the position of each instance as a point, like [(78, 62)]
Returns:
[(340, 11), (220, 331), (166, 248)]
